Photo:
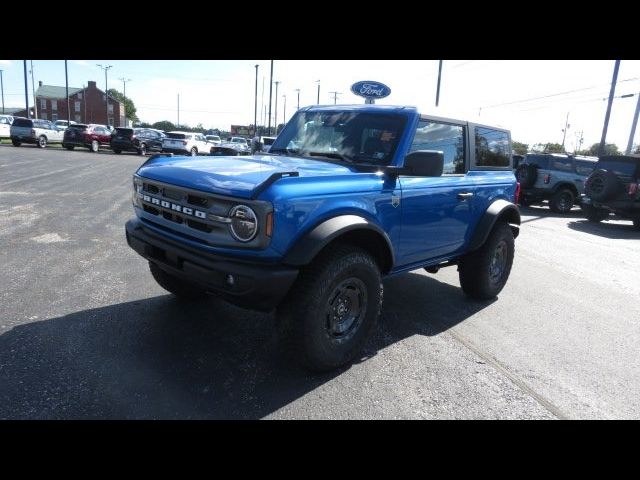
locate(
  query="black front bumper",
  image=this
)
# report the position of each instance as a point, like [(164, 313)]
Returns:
[(256, 286)]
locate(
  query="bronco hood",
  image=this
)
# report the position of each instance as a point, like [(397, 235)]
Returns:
[(235, 176)]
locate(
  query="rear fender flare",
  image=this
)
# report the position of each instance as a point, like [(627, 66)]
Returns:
[(498, 210)]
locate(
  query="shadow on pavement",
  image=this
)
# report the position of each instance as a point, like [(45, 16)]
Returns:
[(160, 358), (541, 212), (614, 231)]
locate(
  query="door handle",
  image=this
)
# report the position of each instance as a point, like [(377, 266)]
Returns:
[(464, 196)]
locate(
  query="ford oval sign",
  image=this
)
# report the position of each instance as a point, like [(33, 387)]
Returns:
[(370, 89)]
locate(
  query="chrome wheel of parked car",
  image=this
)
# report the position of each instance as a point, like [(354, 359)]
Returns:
[(42, 141), (95, 146), (194, 152), (142, 150)]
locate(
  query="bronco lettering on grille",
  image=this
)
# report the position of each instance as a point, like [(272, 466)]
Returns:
[(173, 206)]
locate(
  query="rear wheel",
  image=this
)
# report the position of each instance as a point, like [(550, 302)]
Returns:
[(95, 146), (562, 201), (117, 151), (594, 214), (42, 141), (332, 308), (194, 152), (484, 272), (142, 150), (180, 288), (69, 147), (15, 143), (636, 223)]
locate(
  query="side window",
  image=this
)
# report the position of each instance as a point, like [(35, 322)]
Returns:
[(442, 137), (492, 148), (562, 164), (584, 168)]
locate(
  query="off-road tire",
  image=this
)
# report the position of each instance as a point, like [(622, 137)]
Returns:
[(308, 331), (479, 278), (602, 185), (562, 201), (593, 214), (180, 288), (42, 142)]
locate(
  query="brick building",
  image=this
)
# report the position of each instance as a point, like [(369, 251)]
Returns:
[(87, 105)]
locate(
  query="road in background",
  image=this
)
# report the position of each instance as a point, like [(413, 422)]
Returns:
[(85, 332)]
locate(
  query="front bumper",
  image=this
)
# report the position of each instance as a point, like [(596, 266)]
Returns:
[(256, 286)]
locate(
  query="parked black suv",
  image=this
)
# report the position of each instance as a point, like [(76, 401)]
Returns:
[(556, 177), (613, 187), (140, 140)]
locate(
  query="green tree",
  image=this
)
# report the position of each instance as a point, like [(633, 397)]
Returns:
[(553, 148), (129, 107), (520, 148), (165, 125), (609, 149)]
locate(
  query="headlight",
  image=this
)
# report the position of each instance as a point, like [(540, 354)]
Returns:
[(244, 223), (137, 191)]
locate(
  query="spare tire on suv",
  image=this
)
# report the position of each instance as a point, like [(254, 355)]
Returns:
[(602, 185), (527, 174)]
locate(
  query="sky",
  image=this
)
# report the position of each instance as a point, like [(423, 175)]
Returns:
[(530, 97)]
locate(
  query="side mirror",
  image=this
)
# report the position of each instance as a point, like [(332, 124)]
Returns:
[(424, 163)]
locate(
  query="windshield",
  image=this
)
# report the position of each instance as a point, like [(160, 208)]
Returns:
[(238, 140), (351, 136)]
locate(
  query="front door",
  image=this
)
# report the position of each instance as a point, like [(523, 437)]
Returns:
[(437, 211)]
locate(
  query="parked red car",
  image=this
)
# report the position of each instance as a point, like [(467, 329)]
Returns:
[(91, 136)]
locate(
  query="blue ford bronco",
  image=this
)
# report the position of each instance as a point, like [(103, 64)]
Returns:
[(346, 196)]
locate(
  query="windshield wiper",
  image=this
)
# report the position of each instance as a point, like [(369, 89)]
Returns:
[(339, 156), (286, 151)]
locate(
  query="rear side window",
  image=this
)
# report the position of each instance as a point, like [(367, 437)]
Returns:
[(269, 141), (561, 164), (492, 148), (442, 137), (178, 136), (23, 122), (619, 167), (541, 161), (584, 168)]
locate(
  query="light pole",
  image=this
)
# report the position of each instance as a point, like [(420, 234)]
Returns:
[(438, 89), (298, 90), (633, 127), (66, 84), (2, 88), (124, 94), (106, 90), (270, 91), (33, 89), (318, 102), (614, 80), (275, 115), (255, 108), (26, 88), (284, 116)]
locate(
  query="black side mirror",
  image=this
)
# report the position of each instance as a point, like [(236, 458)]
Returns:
[(424, 163)]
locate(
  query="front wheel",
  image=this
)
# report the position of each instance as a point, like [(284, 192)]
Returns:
[(636, 223), (69, 147), (142, 150), (180, 288), (484, 272), (42, 141), (193, 152), (332, 308), (95, 146), (117, 151), (15, 143)]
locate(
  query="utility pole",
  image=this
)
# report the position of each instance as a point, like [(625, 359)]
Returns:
[(270, 91), (438, 90), (284, 115), (335, 96), (318, 102), (614, 80), (255, 108), (66, 83), (178, 124), (33, 89), (298, 90), (275, 115), (124, 94), (26, 88), (84, 100), (634, 124), (2, 88), (106, 91), (262, 106), (564, 130)]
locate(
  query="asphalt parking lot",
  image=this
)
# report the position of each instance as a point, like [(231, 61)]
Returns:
[(85, 332)]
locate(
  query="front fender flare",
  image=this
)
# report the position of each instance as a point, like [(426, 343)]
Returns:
[(312, 242), (499, 209)]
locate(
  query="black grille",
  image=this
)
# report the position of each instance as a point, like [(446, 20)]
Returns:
[(172, 194), (198, 201), (203, 227), (151, 188), (151, 210)]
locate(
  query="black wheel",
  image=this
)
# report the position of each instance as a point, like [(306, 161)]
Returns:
[(193, 152), (594, 214), (42, 141), (117, 151), (562, 201), (636, 223), (332, 308), (180, 288), (15, 143), (95, 146), (484, 272), (69, 147), (526, 174), (142, 150)]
